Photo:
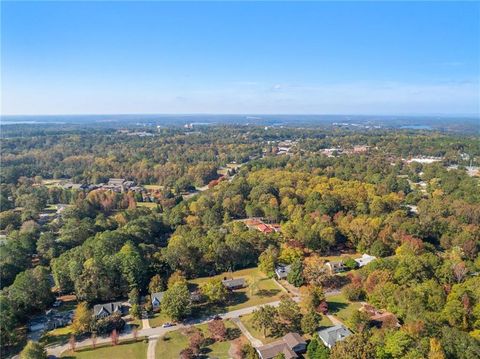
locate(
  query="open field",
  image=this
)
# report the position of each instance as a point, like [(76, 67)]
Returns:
[(126, 350), (170, 346)]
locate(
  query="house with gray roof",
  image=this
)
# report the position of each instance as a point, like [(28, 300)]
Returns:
[(232, 284), (107, 309), (331, 335), (290, 346), (282, 270), (157, 299)]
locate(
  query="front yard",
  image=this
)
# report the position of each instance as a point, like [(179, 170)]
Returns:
[(170, 346), (126, 350), (259, 290)]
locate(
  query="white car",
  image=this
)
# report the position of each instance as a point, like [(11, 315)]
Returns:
[(167, 325)]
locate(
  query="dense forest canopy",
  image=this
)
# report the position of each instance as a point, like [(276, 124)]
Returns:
[(421, 219)]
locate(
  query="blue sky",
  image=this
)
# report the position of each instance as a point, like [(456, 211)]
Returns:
[(265, 57)]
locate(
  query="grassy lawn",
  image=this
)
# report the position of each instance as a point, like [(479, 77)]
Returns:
[(247, 321), (56, 336), (158, 319), (52, 182), (342, 308), (259, 290), (170, 346), (341, 258), (325, 322), (147, 204), (128, 350)]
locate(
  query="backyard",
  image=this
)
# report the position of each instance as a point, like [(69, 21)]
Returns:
[(341, 307)]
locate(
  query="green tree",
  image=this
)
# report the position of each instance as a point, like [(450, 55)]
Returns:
[(176, 301), (295, 276), (33, 350), (310, 322), (8, 322), (135, 311), (214, 290), (289, 316), (156, 284), (266, 261), (350, 263), (82, 319), (316, 350), (264, 319), (31, 290), (356, 346)]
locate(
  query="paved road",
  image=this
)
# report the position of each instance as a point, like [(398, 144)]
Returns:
[(155, 333)]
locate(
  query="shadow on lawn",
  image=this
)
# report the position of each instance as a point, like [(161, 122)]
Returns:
[(268, 292), (335, 307)]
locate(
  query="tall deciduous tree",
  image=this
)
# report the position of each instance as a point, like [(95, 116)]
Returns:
[(176, 301)]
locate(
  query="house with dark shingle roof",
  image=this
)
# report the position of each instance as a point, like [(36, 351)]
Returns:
[(107, 309), (232, 284), (290, 346)]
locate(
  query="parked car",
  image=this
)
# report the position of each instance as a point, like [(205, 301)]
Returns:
[(167, 325)]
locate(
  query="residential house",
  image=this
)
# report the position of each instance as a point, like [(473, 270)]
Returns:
[(331, 335), (264, 228), (232, 284), (157, 299), (290, 346), (282, 270), (364, 260), (116, 182), (55, 319), (335, 267), (380, 318), (107, 309)]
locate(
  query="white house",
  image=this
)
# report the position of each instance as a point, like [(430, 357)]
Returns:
[(333, 334), (364, 260)]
